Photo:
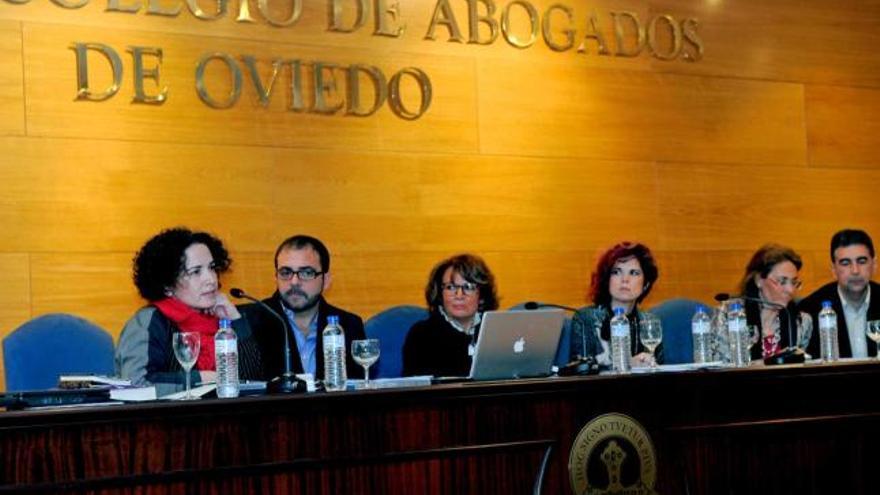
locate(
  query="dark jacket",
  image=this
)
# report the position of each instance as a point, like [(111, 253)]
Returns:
[(270, 335), (434, 347), (145, 354), (591, 331), (812, 304)]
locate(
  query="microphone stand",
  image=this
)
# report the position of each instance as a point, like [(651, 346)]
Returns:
[(583, 364), (791, 354), (288, 382)]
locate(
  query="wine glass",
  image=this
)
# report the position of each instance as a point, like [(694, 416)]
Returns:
[(365, 353), (186, 350), (872, 330), (651, 334)]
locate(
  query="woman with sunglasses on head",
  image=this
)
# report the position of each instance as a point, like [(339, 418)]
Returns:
[(459, 289), (623, 278), (177, 272), (772, 276)]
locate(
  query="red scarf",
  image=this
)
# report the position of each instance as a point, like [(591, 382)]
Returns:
[(188, 319)]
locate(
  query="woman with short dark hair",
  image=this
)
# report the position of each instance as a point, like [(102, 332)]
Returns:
[(624, 276), (177, 272), (459, 289)]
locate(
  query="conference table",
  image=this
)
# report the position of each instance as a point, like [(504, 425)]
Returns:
[(805, 429)]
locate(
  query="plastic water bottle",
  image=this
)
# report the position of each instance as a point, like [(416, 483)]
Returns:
[(720, 347), (334, 355), (226, 356), (701, 330), (620, 343), (828, 333), (738, 336)]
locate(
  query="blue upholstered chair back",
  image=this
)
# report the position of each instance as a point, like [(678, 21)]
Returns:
[(391, 327), (36, 353), (675, 316), (564, 346)]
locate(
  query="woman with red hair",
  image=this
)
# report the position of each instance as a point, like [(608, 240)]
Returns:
[(623, 278)]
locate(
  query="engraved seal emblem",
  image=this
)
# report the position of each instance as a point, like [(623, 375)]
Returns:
[(613, 455)]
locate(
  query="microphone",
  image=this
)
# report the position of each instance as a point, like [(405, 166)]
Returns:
[(583, 365), (536, 305), (789, 355), (287, 382)]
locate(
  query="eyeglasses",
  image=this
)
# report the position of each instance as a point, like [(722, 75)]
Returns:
[(304, 274), (468, 288), (793, 282)]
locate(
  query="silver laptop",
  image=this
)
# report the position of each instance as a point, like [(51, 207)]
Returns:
[(516, 344)]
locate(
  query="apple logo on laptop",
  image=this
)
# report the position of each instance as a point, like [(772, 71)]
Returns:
[(519, 345)]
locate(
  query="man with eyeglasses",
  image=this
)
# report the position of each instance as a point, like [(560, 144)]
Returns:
[(302, 274), (853, 264)]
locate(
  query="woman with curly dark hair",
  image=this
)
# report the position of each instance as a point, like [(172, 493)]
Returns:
[(177, 272), (624, 276), (459, 289)]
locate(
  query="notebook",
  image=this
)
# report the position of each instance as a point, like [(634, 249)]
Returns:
[(516, 344)]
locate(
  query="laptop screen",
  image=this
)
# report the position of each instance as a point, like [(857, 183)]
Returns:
[(516, 344)]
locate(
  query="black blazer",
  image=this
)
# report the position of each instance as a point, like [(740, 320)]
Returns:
[(270, 336), (812, 304)]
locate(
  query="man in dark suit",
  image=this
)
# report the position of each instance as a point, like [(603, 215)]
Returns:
[(302, 274), (854, 297)]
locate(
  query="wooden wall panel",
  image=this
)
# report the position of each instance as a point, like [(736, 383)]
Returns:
[(94, 195), (52, 111), (633, 116), (842, 126), (15, 300), (723, 207), (828, 42), (97, 287), (11, 82)]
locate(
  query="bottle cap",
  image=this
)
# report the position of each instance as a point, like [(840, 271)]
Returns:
[(333, 320), (618, 311), (701, 308), (225, 323), (826, 304), (736, 306)]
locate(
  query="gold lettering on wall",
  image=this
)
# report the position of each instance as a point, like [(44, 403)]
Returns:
[(475, 19), (353, 92), (324, 80), (594, 33), (83, 90), (335, 23), (117, 6), (197, 11), (689, 29), (387, 20), (264, 91), (297, 104), (444, 16), (70, 5), (234, 72), (619, 34), (295, 13), (547, 32), (141, 73), (425, 92), (532, 13), (676, 37), (154, 7)]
